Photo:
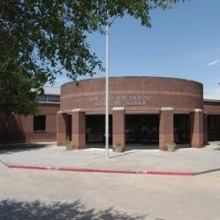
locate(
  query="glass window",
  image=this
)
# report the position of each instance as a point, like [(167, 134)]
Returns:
[(42, 98), (53, 98), (49, 98), (40, 123)]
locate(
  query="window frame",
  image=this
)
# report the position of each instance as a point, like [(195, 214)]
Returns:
[(39, 123)]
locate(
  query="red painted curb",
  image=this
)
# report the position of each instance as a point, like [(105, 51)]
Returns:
[(97, 170), (19, 166)]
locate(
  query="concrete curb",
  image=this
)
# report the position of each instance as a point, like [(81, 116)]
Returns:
[(99, 170)]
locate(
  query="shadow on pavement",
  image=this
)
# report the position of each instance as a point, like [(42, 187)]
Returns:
[(12, 209), (121, 154), (207, 171), (130, 146), (7, 148)]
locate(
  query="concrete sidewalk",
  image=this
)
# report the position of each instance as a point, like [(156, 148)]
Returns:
[(186, 161)]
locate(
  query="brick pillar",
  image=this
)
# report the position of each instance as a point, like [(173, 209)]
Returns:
[(61, 128), (118, 126), (166, 127), (78, 129), (205, 128), (196, 128)]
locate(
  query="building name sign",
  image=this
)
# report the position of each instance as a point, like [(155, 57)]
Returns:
[(121, 100)]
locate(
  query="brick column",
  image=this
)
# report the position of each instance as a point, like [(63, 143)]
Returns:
[(118, 126), (166, 127), (196, 128), (205, 128), (78, 129), (61, 128)]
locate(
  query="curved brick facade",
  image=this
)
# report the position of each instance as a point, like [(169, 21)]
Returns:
[(133, 93), (167, 100)]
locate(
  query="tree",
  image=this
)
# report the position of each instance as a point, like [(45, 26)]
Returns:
[(40, 39)]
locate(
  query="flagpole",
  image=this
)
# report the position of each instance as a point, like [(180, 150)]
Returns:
[(107, 91)]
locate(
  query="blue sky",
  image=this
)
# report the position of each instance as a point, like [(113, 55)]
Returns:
[(183, 43)]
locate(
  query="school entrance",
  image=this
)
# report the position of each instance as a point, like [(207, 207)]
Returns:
[(140, 129)]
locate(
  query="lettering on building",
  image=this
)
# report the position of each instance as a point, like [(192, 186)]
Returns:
[(121, 100)]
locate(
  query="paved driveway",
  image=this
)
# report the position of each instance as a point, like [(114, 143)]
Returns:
[(36, 194), (47, 194)]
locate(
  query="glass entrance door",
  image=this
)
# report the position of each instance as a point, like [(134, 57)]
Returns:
[(181, 129), (95, 128), (142, 129)]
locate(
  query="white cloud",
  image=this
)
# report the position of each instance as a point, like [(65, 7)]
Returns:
[(215, 62)]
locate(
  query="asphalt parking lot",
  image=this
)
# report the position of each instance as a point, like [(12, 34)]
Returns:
[(54, 194)]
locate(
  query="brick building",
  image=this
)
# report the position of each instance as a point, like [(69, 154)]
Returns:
[(38, 128), (142, 110)]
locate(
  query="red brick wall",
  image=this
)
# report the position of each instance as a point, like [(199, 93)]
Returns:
[(166, 128), (62, 120), (212, 107), (21, 128), (196, 130), (133, 93), (119, 127), (79, 129)]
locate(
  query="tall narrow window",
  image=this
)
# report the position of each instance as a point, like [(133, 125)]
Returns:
[(40, 123)]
